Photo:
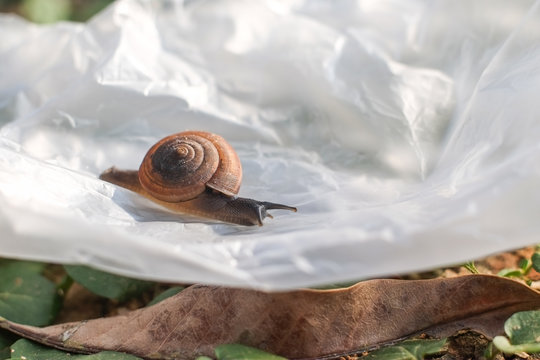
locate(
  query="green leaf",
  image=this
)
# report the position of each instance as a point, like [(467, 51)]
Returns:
[(536, 261), (491, 351), (90, 8), (108, 285), (26, 296), (6, 339), (504, 345), (19, 266), (408, 350), (46, 11), (510, 273), (242, 352), (525, 265), (28, 350), (523, 327), (25, 349), (108, 355), (166, 294), (523, 330)]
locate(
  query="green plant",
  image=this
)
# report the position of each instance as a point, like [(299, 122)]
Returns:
[(26, 349), (471, 267), (29, 297), (523, 270), (523, 333), (241, 352), (26, 296), (47, 11), (107, 285), (408, 350)]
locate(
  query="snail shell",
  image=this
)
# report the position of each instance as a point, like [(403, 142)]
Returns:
[(181, 166), (197, 173)]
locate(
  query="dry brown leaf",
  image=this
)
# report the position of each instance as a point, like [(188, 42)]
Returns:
[(297, 324)]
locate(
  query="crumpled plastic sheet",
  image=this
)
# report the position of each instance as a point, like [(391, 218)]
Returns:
[(406, 133)]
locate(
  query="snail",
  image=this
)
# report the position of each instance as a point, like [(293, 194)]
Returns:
[(195, 173)]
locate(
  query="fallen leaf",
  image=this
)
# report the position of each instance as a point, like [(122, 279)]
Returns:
[(296, 324), (107, 285)]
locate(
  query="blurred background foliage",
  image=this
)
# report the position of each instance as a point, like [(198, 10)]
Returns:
[(48, 11)]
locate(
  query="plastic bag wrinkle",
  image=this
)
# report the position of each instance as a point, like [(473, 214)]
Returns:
[(406, 134)]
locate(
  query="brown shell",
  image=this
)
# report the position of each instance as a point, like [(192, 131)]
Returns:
[(180, 167)]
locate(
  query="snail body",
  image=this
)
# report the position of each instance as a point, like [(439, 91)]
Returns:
[(196, 173)]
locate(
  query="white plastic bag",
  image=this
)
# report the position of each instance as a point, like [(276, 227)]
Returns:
[(406, 133)]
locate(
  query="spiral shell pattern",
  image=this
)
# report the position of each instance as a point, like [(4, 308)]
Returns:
[(181, 166)]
